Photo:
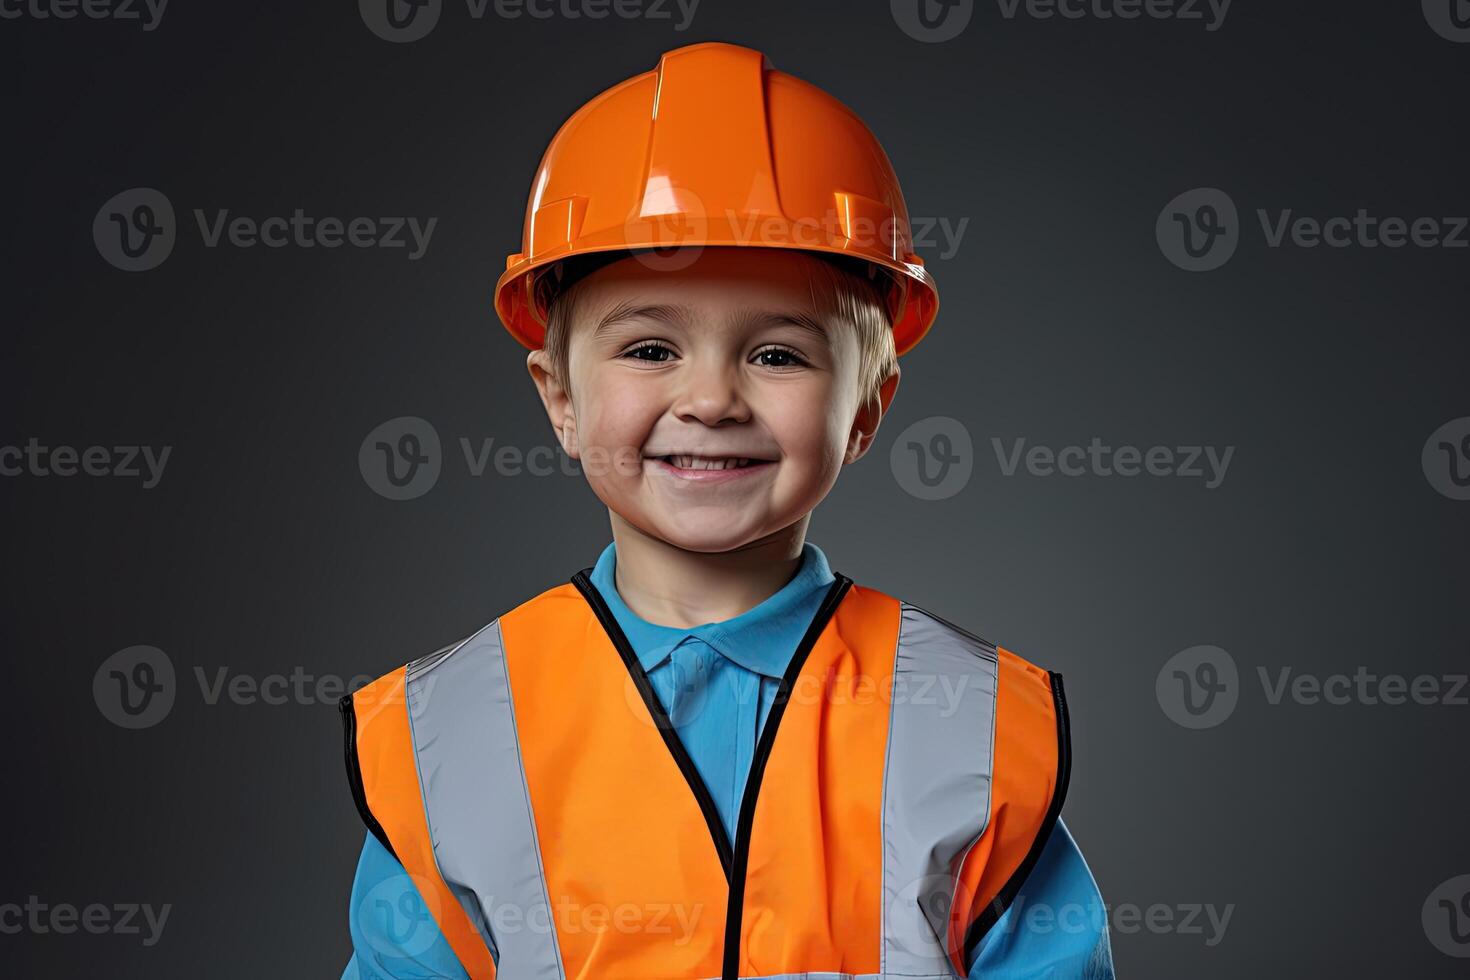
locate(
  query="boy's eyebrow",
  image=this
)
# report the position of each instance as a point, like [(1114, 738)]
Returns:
[(629, 310), (749, 319), (674, 313)]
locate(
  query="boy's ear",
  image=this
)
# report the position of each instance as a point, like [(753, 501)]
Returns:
[(869, 414), (556, 399)]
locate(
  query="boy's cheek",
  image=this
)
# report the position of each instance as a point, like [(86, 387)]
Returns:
[(610, 462)]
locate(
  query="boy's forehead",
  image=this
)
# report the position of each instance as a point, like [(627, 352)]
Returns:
[(729, 280), (693, 269)]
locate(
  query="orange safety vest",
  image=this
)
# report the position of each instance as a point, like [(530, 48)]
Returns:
[(531, 784)]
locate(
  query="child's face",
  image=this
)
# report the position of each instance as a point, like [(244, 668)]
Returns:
[(709, 406)]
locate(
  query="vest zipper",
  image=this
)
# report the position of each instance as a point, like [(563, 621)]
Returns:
[(734, 860)]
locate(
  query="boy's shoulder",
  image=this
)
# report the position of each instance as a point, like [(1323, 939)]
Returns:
[(489, 633), (919, 625)]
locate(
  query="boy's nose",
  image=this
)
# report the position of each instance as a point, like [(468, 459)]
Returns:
[(711, 394)]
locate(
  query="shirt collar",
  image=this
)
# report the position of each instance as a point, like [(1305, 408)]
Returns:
[(761, 639)]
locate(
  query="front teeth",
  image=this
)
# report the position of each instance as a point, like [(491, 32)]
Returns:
[(707, 462)]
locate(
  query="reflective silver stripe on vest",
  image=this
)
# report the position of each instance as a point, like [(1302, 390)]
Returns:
[(477, 802), (936, 787)]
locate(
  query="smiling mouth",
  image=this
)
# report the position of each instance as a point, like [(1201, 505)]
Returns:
[(686, 461)]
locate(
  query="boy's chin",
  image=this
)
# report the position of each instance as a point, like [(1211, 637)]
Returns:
[(707, 533)]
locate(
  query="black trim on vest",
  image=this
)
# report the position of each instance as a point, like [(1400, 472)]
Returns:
[(354, 773), (582, 580), (758, 762), (734, 859), (1008, 892)]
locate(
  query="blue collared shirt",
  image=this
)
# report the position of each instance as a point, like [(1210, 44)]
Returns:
[(717, 682)]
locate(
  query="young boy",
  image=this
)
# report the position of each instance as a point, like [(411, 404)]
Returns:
[(709, 755)]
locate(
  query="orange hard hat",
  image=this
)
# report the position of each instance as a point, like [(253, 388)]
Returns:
[(715, 147)]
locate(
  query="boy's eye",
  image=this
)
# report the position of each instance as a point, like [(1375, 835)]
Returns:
[(779, 357), (649, 352)]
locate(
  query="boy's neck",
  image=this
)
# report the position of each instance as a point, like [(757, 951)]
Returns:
[(669, 586)]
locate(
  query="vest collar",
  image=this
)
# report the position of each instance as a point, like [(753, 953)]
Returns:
[(761, 639)]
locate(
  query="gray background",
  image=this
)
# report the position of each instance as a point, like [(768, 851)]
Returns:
[(263, 550)]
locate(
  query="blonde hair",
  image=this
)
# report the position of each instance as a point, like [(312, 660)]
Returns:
[(843, 289)]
